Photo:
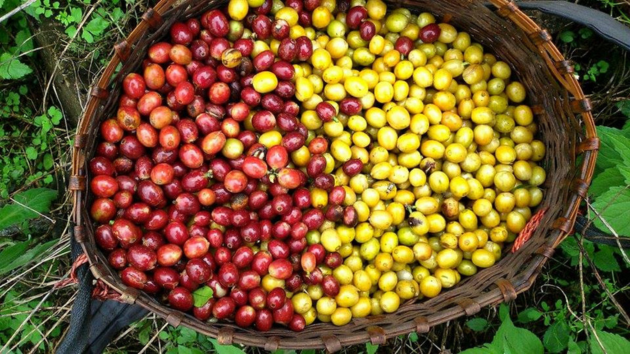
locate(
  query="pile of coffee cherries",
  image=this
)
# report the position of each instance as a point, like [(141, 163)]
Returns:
[(287, 162)]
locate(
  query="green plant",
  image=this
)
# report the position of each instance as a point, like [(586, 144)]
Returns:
[(29, 136), (582, 38), (16, 44), (183, 340), (22, 319), (558, 337), (611, 195), (27, 154), (594, 71), (570, 37), (25, 206), (88, 24), (616, 9), (610, 185), (509, 338)]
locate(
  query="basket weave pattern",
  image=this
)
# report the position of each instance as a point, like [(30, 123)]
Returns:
[(565, 122)]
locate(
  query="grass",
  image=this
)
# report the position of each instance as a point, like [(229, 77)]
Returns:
[(567, 299)]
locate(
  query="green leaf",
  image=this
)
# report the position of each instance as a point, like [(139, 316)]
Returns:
[(31, 153), (529, 315), (30, 255), (24, 41), (96, 26), (225, 349), (87, 36), (614, 149), (183, 350), (487, 349), (556, 338), (202, 295), (477, 324), (308, 351), (117, 14), (11, 68), (37, 198), (46, 125), (371, 348), (71, 31), (605, 259), (48, 161), (611, 177), (613, 206), (504, 312), (12, 253), (144, 335), (55, 115), (413, 336), (624, 107), (567, 36), (56, 331), (585, 32), (186, 336), (611, 322), (612, 343), (5, 322), (573, 348), (77, 14), (512, 339), (27, 206)]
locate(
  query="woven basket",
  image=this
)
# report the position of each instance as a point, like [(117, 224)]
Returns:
[(565, 122)]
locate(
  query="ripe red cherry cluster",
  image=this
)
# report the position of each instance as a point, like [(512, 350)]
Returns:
[(185, 197)]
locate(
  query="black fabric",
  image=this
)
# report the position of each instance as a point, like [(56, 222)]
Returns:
[(585, 227), (607, 27), (93, 323), (108, 319), (76, 340)]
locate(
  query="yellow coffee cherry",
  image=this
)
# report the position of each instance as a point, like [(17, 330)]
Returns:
[(384, 92), (330, 240), (356, 86), (389, 302), (483, 258), (398, 118), (403, 254), (381, 219), (321, 17), (387, 138), (388, 281), (265, 82), (430, 286)]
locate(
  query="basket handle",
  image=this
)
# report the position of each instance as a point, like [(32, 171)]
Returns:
[(606, 26)]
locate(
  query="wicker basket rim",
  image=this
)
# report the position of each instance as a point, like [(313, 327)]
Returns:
[(153, 25)]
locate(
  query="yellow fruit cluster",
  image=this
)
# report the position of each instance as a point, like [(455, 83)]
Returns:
[(449, 150)]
